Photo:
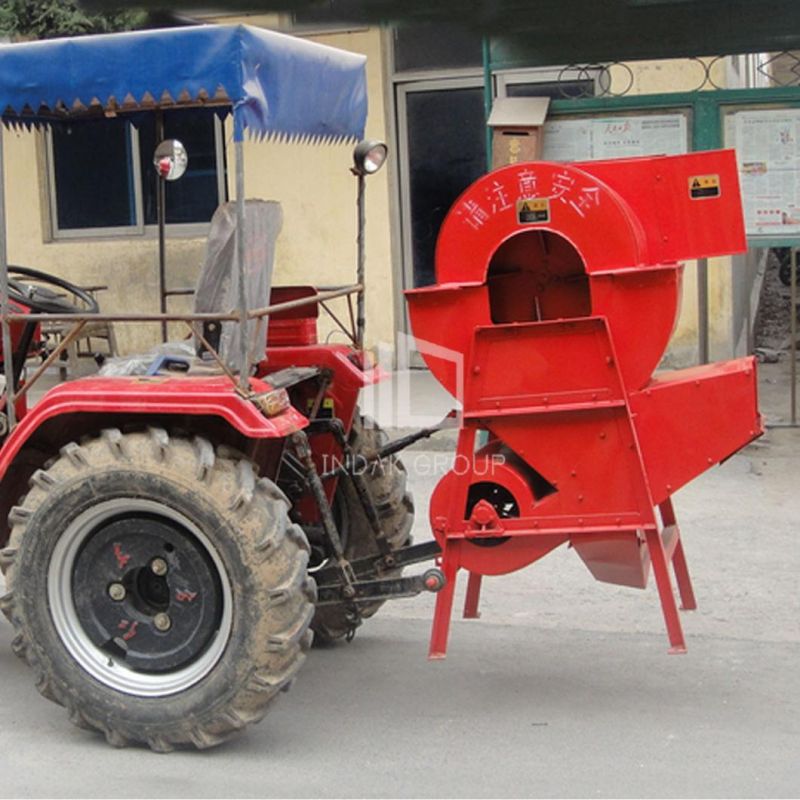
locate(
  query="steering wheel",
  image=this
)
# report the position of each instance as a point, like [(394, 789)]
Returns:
[(48, 294)]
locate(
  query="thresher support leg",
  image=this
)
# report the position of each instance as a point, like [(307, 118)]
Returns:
[(688, 602), (473, 598), (444, 603), (658, 558)]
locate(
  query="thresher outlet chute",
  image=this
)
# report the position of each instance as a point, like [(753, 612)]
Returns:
[(558, 288)]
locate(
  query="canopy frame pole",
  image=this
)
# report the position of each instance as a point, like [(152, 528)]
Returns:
[(8, 355), (161, 207), (244, 356)]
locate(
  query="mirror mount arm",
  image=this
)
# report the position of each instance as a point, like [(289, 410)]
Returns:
[(170, 161), (161, 214)]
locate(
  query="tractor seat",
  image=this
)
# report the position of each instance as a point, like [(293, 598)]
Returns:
[(217, 292)]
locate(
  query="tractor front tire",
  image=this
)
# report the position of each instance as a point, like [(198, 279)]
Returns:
[(386, 483), (157, 589)]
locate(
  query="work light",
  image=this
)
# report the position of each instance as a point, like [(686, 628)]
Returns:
[(369, 156)]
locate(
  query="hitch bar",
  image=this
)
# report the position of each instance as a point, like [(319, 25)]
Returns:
[(361, 462), (371, 565), (432, 580)]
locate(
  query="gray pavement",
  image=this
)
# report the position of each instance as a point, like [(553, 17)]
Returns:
[(562, 688)]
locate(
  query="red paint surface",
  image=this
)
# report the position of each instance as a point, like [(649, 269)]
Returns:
[(201, 396)]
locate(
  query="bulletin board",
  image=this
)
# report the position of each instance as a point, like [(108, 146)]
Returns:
[(617, 136), (767, 143)]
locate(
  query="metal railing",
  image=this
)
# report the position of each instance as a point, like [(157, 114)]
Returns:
[(617, 78), (79, 321)]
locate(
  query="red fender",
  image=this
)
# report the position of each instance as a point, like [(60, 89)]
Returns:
[(148, 396)]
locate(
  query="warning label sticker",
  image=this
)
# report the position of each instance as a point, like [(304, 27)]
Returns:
[(701, 186), (533, 209), (325, 411)]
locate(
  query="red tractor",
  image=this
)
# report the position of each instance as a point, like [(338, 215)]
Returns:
[(171, 542), (165, 533), (174, 541)]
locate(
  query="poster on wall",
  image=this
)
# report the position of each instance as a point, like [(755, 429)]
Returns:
[(615, 137), (768, 152)]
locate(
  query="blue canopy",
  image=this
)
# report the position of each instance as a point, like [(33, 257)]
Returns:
[(275, 84)]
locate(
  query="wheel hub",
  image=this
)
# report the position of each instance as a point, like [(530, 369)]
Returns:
[(140, 597), (169, 603)]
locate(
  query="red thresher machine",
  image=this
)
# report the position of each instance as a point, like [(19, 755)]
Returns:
[(557, 292)]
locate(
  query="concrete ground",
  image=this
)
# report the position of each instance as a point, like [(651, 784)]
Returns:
[(563, 688)]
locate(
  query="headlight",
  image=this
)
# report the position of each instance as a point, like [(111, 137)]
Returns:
[(272, 403), (369, 156)]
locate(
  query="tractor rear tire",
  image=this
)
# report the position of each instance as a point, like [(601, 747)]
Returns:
[(157, 589), (386, 483)]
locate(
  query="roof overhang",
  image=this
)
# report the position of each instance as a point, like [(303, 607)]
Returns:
[(547, 32)]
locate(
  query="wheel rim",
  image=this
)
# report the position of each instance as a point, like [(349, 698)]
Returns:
[(131, 628)]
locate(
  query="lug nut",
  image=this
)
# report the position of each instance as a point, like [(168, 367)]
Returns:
[(117, 591), (159, 566), (162, 621)]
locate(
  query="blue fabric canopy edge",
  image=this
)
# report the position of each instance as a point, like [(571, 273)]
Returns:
[(278, 85)]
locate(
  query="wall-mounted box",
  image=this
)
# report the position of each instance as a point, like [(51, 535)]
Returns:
[(517, 129)]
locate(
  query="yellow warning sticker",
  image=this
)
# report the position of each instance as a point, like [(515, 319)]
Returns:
[(703, 186), (533, 209)]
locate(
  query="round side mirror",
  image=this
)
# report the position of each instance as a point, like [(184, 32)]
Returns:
[(170, 159)]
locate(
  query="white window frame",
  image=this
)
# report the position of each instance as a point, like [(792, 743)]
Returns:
[(404, 175), (138, 229), (505, 78)]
